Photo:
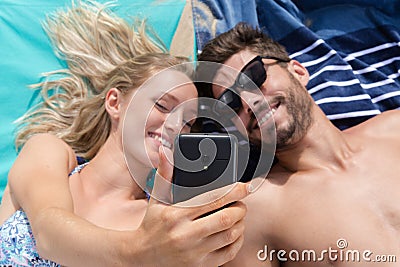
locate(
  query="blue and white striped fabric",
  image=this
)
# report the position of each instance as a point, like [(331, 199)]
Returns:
[(350, 47), (352, 84)]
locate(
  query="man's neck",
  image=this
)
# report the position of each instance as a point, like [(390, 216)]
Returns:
[(323, 147)]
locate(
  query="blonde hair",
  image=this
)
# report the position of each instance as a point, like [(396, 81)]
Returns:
[(102, 51)]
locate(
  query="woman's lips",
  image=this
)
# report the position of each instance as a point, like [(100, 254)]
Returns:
[(161, 139)]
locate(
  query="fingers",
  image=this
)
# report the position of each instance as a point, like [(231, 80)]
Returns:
[(213, 200), (222, 219), (225, 237), (225, 254), (162, 181)]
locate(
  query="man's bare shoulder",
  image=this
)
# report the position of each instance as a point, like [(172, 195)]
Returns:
[(265, 202), (266, 209), (385, 124), (278, 195), (270, 187)]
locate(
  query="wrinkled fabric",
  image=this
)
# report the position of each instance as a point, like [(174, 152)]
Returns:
[(17, 244), (350, 48)]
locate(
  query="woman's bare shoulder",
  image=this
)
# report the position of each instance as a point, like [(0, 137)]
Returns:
[(45, 146), (47, 140)]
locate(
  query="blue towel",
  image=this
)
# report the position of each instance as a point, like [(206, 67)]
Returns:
[(26, 52)]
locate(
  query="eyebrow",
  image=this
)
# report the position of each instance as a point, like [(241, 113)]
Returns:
[(168, 95)]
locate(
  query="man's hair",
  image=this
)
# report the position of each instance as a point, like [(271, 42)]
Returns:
[(242, 36), (102, 52)]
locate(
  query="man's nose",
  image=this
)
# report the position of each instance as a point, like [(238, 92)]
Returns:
[(251, 101)]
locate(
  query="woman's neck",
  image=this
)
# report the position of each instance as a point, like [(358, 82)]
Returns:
[(108, 173)]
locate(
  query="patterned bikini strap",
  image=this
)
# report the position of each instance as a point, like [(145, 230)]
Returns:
[(78, 168)]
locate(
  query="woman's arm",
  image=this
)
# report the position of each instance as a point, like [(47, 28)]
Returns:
[(39, 185), (168, 235)]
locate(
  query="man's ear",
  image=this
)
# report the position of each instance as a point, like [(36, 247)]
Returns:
[(299, 71), (113, 103)]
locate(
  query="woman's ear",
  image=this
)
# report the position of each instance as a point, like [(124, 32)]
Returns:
[(113, 103), (299, 71)]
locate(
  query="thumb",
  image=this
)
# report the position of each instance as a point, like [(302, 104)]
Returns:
[(163, 178)]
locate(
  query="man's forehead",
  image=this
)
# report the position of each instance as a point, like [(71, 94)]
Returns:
[(227, 74), (240, 59)]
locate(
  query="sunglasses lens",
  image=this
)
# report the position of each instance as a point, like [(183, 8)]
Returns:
[(227, 101), (254, 73), (250, 78)]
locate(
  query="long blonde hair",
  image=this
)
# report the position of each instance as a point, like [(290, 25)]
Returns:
[(102, 51)]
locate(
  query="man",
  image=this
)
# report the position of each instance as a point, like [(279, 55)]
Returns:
[(333, 197)]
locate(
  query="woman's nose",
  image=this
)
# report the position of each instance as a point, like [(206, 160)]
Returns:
[(174, 121)]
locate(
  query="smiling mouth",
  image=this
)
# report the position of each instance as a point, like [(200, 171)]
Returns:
[(264, 118), (161, 140)]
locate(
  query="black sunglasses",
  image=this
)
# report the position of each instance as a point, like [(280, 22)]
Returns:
[(250, 78)]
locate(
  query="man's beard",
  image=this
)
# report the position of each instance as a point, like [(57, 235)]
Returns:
[(298, 105)]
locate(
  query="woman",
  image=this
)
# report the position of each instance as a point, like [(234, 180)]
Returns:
[(95, 214)]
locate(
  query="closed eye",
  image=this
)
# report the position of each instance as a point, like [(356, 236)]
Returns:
[(188, 123), (161, 107)]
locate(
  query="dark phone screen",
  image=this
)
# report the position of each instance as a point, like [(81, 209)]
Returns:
[(203, 162)]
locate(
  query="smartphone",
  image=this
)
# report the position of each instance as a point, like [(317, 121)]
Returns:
[(203, 162)]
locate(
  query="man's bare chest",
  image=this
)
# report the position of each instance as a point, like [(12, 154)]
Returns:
[(348, 213)]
